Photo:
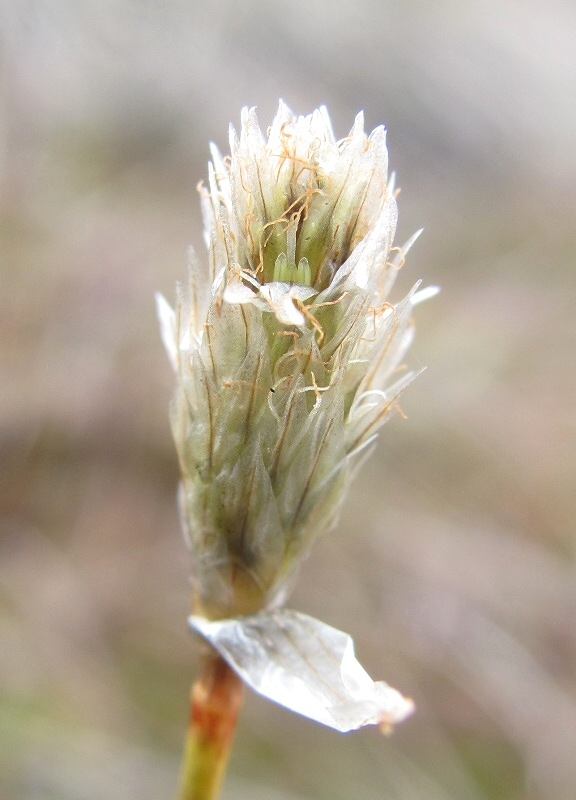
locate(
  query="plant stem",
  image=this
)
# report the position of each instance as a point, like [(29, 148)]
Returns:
[(215, 701)]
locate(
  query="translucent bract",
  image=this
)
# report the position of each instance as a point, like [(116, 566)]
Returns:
[(306, 666)]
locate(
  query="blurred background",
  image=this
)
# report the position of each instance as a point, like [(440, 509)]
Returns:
[(453, 565)]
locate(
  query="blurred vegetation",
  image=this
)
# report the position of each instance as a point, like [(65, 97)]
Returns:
[(454, 563)]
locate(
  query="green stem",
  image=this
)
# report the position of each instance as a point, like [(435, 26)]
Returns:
[(215, 701)]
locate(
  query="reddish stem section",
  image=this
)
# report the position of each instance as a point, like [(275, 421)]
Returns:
[(216, 699)]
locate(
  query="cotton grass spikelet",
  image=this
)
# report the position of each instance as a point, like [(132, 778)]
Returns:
[(287, 354)]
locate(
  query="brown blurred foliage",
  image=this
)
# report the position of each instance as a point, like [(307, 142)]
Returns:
[(453, 566)]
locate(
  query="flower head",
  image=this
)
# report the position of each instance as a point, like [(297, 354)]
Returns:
[(287, 354), (286, 350)]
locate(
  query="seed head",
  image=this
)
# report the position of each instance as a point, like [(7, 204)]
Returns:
[(286, 350)]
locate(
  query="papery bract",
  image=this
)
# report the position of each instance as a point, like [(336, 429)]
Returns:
[(305, 666)]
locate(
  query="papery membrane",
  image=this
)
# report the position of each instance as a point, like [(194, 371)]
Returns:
[(305, 666)]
